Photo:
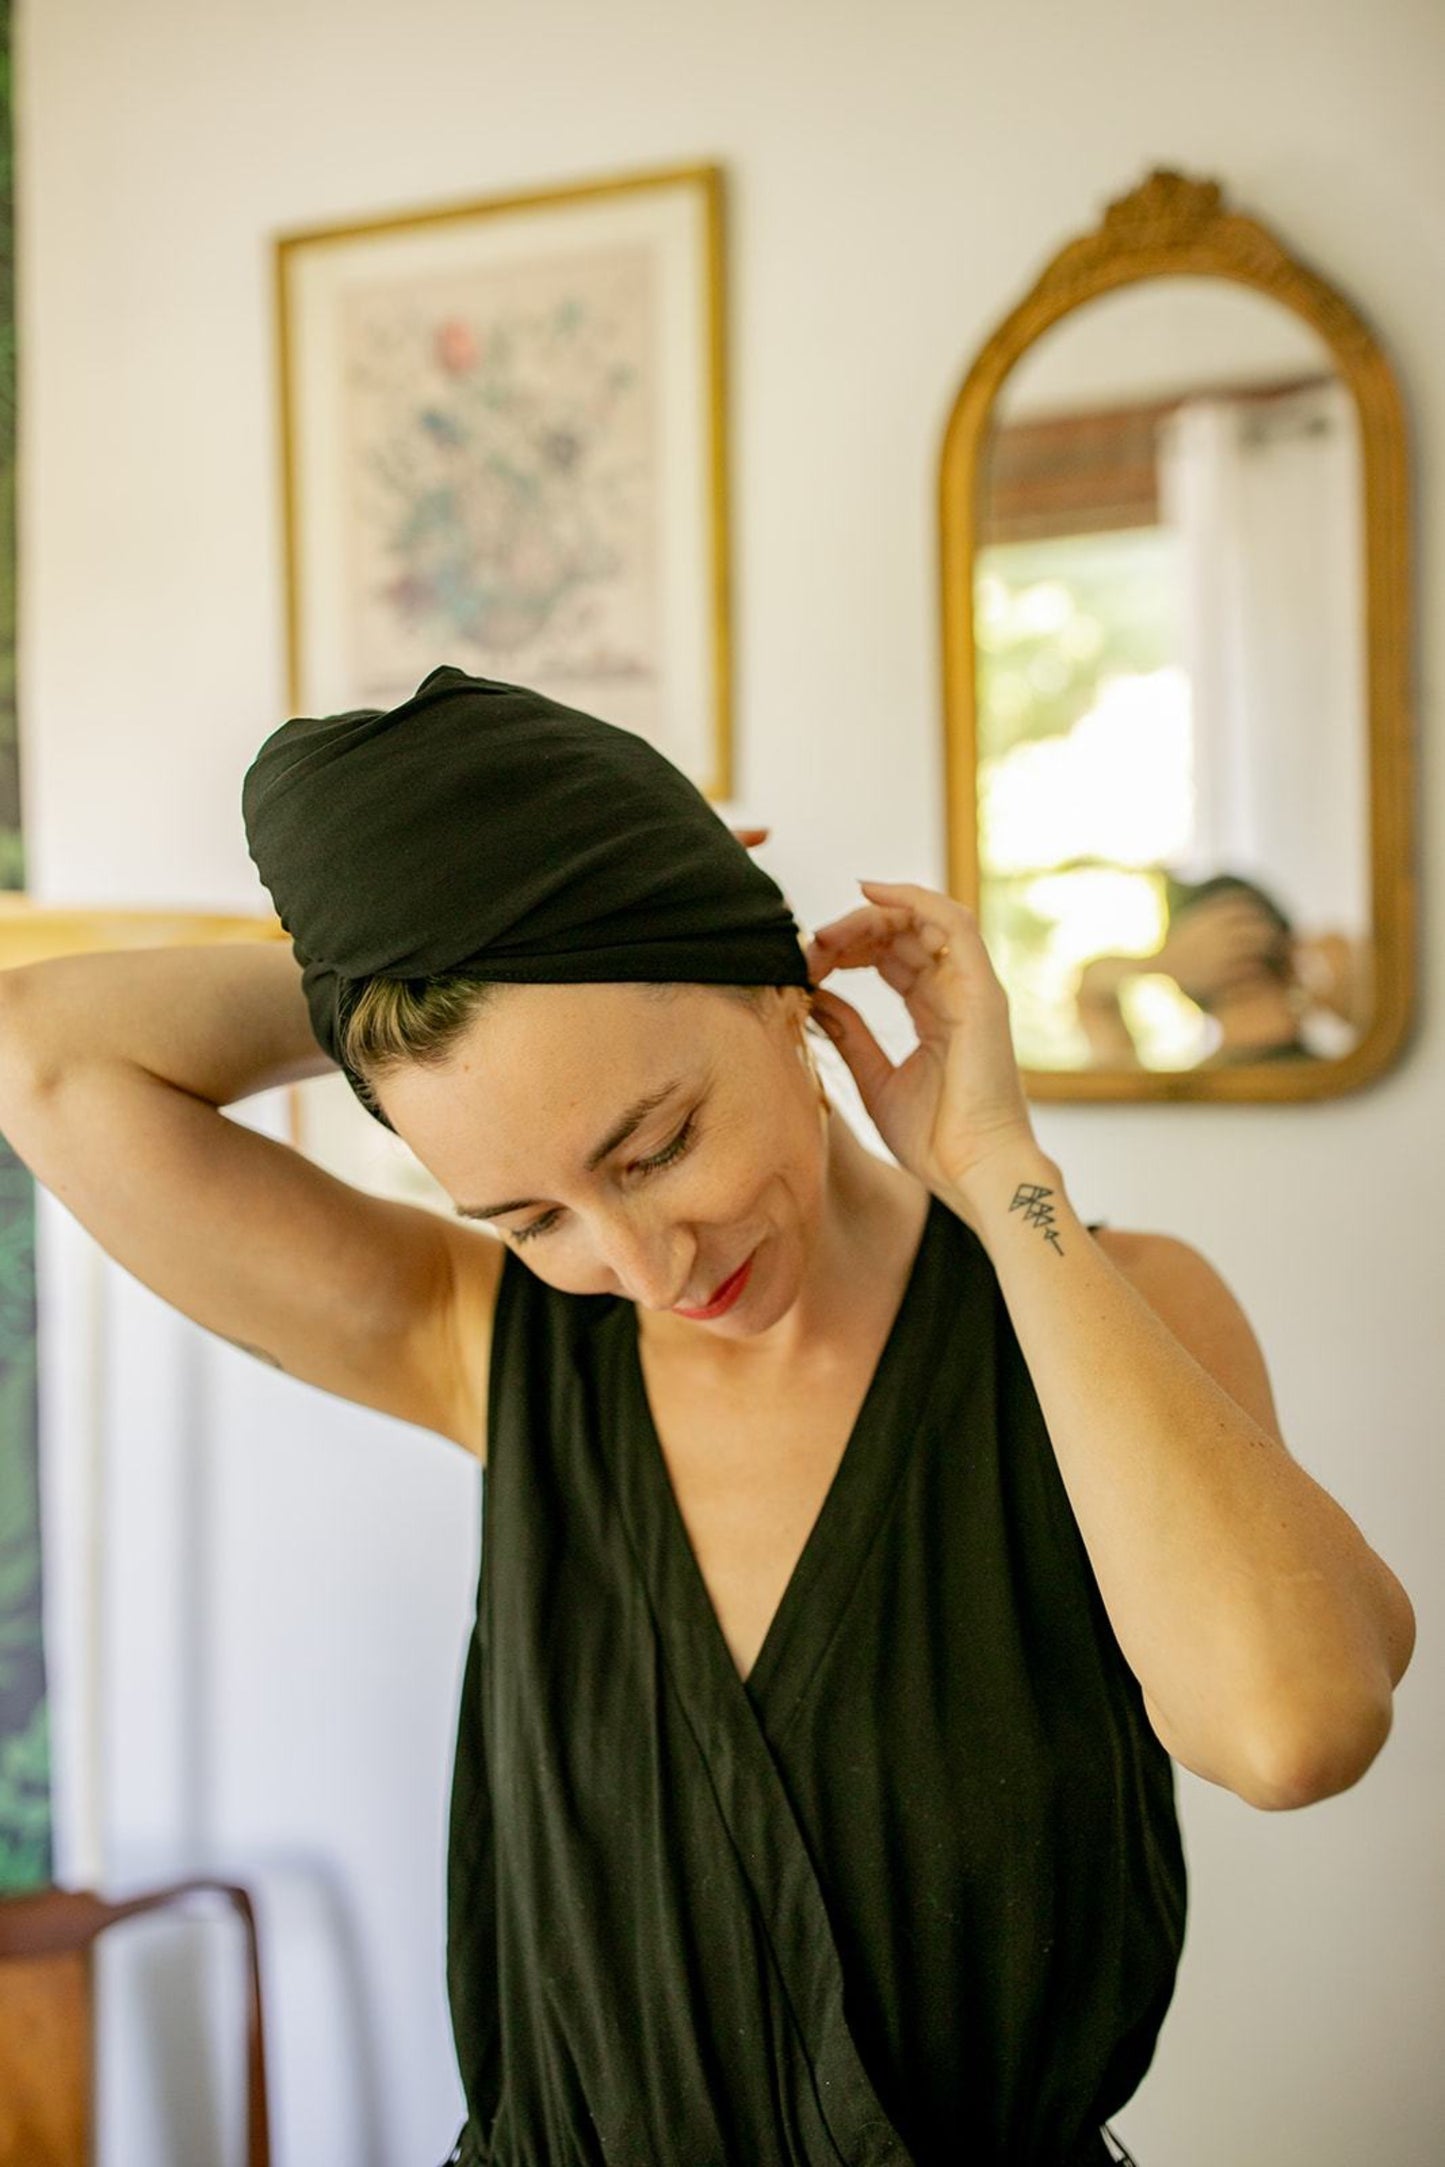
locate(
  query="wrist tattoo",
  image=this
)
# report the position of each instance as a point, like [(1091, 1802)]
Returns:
[(1031, 1198)]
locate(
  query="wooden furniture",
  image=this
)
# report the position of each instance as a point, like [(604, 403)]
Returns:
[(47, 2020)]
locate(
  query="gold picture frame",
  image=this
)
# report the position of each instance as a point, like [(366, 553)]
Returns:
[(356, 304), (1174, 225), (32, 932)]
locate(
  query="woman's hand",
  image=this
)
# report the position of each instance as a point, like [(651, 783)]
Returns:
[(1215, 946), (958, 1097)]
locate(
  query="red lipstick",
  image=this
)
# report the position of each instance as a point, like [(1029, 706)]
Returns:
[(725, 1296)]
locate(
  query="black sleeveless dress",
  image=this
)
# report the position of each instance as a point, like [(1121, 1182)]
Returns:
[(913, 1895)]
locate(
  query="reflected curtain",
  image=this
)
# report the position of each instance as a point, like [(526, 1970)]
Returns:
[(1265, 497)]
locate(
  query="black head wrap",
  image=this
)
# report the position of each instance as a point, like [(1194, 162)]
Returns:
[(483, 827)]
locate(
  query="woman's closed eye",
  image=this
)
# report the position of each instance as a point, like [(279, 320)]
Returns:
[(666, 1157)]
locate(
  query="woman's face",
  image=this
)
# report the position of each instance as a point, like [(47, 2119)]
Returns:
[(724, 1161)]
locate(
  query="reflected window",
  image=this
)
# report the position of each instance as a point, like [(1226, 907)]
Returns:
[(1151, 628), (1084, 777)]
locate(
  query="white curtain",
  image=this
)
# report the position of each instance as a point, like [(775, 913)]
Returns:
[(1265, 499)]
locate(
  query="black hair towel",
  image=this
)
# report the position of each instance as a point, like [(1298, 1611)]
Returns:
[(483, 827)]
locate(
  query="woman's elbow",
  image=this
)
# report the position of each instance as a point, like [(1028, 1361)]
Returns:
[(1324, 1762)]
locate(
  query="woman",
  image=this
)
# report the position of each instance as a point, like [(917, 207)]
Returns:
[(1232, 951), (861, 1539)]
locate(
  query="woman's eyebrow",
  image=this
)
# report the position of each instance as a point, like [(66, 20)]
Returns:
[(618, 1134)]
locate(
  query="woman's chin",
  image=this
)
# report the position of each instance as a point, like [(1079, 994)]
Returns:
[(768, 1296)]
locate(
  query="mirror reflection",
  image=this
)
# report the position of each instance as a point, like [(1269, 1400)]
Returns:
[(1173, 778)]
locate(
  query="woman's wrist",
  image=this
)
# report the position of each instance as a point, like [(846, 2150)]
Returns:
[(1015, 1182)]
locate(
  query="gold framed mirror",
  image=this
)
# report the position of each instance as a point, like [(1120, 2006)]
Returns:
[(1176, 637)]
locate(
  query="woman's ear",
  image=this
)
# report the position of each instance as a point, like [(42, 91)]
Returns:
[(799, 1005)]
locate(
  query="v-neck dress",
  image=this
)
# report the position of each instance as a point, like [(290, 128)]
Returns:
[(911, 1895)]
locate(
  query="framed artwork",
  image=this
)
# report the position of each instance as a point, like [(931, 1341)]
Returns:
[(503, 447)]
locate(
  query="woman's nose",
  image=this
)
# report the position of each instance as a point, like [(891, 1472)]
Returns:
[(652, 1264)]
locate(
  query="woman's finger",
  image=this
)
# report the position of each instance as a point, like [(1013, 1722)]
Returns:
[(927, 906), (915, 982), (832, 949), (838, 931), (887, 950), (962, 942), (910, 893), (895, 949), (852, 939)]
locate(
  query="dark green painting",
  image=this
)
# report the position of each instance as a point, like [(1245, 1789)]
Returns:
[(25, 1851)]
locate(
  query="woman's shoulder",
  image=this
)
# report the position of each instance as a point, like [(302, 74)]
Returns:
[(1121, 1245), (1196, 1302), (1153, 1260), (1140, 1254), (482, 1270)]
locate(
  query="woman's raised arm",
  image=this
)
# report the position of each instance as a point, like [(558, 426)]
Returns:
[(114, 1069)]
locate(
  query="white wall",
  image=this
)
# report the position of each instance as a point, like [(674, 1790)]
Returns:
[(897, 178)]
